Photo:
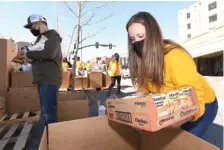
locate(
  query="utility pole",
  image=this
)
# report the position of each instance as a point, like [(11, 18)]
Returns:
[(77, 44)]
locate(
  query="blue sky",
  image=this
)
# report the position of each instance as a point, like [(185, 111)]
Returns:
[(14, 15)]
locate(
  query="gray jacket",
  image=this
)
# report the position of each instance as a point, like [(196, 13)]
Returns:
[(46, 63)]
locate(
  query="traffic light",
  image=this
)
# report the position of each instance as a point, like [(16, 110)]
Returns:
[(97, 44), (110, 46), (75, 46)]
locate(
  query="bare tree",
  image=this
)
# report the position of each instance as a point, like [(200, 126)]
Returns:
[(83, 21)]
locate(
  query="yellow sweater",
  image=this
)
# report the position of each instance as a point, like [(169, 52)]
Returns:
[(114, 68), (64, 66), (180, 71), (89, 66), (79, 64)]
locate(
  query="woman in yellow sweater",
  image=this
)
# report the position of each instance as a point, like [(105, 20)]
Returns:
[(114, 71), (159, 65)]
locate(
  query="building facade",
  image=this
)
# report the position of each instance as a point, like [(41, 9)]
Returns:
[(200, 18), (201, 32)]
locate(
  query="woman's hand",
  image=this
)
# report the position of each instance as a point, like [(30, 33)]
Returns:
[(141, 94)]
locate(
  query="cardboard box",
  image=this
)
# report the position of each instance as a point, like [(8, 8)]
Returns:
[(96, 79), (72, 106), (154, 112), (22, 99), (70, 70), (73, 109), (106, 80), (97, 133), (2, 107), (22, 79), (81, 82), (7, 52), (65, 80), (64, 96)]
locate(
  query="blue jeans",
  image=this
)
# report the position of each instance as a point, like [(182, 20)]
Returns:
[(199, 127), (48, 102)]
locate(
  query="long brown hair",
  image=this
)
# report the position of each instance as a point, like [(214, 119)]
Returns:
[(117, 57), (149, 67)]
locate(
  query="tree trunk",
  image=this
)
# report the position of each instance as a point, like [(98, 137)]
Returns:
[(77, 45)]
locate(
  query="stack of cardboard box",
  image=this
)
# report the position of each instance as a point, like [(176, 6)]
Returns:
[(7, 52), (23, 95)]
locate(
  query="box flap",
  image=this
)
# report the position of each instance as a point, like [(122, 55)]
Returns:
[(73, 109), (90, 134), (66, 96), (173, 139), (43, 143)]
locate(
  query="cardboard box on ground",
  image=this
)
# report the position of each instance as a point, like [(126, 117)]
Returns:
[(2, 107), (65, 80), (81, 82), (96, 79), (22, 99), (106, 79), (97, 133), (72, 106), (22, 79)]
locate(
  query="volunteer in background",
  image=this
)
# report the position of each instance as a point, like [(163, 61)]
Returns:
[(46, 65), (66, 64), (159, 65), (88, 66), (79, 67), (66, 60), (114, 70)]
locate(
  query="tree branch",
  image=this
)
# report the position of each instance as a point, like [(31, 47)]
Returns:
[(90, 36), (96, 8), (98, 21), (84, 3), (71, 39), (89, 20), (70, 8)]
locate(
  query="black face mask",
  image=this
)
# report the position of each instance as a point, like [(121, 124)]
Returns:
[(35, 32), (138, 47)]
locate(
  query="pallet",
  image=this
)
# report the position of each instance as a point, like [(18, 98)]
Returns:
[(63, 90), (14, 131), (20, 117)]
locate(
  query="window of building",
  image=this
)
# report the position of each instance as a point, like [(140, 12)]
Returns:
[(212, 6), (213, 18), (188, 15), (189, 36), (188, 26)]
